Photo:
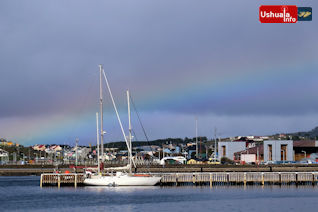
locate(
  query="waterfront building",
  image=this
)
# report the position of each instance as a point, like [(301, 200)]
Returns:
[(228, 148), (278, 150), (306, 149), (282, 150), (245, 155)]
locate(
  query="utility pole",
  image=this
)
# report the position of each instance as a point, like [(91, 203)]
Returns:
[(206, 151), (76, 151), (215, 146), (196, 138), (14, 157), (200, 147)]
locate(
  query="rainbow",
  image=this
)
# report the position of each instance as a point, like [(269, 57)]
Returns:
[(222, 87)]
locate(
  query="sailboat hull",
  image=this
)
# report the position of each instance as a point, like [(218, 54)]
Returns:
[(125, 180)]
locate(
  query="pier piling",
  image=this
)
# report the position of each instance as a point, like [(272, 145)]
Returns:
[(41, 181), (75, 181), (58, 181)]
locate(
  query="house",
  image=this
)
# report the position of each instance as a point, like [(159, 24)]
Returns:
[(270, 150), (39, 147), (228, 148), (6, 143), (191, 150), (305, 149), (278, 150), (245, 156), (56, 148), (171, 149), (281, 150), (4, 156), (173, 160)]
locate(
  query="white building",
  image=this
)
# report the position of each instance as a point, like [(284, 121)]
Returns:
[(4, 156), (278, 150), (227, 149)]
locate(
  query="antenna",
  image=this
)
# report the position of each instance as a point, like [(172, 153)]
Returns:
[(196, 138), (215, 146), (76, 158)]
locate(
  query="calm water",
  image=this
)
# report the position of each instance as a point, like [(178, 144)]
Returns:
[(24, 194)]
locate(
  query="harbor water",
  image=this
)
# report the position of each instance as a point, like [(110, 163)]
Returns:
[(25, 194)]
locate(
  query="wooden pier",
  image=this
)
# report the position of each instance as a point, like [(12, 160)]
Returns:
[(212, 178), (61, 179), (244, 178)]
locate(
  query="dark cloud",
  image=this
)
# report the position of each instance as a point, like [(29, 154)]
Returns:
[(50, 49)]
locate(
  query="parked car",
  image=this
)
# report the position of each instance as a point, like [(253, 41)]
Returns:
[(268, 162), (306, 161)]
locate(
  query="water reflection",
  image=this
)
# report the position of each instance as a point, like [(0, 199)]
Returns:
[(25, 194), (120, 189)]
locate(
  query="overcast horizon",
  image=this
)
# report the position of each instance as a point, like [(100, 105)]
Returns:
[(181, 60)]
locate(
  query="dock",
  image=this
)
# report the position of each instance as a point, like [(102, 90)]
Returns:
[(211, 179), (240, 178), (62, 179)]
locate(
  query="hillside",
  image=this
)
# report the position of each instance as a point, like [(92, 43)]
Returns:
[(312, 134)]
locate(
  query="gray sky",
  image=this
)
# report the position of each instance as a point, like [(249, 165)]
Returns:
[(180, 59)]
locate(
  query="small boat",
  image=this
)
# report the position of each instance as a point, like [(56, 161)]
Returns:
[(120, 178)]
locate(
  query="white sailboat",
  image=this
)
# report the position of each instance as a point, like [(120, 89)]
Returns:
[(121, 178)]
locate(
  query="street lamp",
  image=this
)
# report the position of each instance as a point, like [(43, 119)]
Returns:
[(304, 153)]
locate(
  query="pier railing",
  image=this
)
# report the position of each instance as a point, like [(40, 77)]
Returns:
[(212, 178), (58, 179), (241, 178)]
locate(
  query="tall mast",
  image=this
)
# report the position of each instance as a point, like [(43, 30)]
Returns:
[(101, 111), (118, 118), (196, 138), (129, 138), (97, 132)]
